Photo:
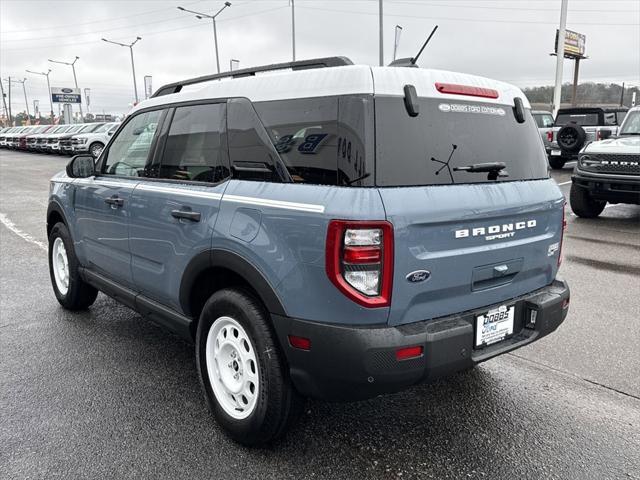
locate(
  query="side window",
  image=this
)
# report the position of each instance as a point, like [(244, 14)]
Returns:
[(193, 149), (129, 151), (547, 121), (610, 118), (304, 132), (253, 157)]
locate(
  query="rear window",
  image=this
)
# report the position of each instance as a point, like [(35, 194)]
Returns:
[(582, 119), (427, 149), (543, 120)]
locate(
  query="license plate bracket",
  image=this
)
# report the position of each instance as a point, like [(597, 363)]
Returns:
[(494, 325)]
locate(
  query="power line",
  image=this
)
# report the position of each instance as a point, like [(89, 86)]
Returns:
[(474, 20), (190, 26), (491, 7)]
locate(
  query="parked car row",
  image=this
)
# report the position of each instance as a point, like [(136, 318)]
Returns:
[(63, 139)]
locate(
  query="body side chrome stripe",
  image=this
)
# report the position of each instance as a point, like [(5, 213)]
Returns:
[(302, 207)]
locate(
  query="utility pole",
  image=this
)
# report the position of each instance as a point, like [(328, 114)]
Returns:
[(24, 90), (48, 87), (293, 30), (10, 114), (381, 27), (75, 79), (133, 66), (4, 102), (201, 16), (562, 31)]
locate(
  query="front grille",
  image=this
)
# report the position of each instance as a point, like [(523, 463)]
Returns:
[(66, 143), (625, 164)]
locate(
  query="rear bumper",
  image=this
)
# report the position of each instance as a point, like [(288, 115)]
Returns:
[(612, 188), (353, 363)]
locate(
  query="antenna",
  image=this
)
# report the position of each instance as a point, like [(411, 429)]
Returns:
[(415, 59), (411, 62)]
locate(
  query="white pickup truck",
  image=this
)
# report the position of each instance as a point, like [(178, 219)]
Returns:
[(575, 127), (93, 142)]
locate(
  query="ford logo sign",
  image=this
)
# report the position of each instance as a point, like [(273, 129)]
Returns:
[(418, 276), (67, 90)]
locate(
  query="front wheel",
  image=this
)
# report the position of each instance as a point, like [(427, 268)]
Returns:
[(242, 370), (583, 204), (556, 163), (72, 292), (95, 149)]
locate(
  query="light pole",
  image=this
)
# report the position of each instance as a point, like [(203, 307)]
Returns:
[(24, 90), (381, 27), (200, 16), (293, 30), (48, 87), (133, 67), (557, 91), (75, 79)]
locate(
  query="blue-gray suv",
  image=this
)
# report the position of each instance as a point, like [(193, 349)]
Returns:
[(319, 229)]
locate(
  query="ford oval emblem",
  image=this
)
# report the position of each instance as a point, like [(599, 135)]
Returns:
[(66, 90), (418, 276)]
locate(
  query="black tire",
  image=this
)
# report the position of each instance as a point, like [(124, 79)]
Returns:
[(571, 138), (80, 295), (556, 163), (278, 404), (95, 145), (583, 204)]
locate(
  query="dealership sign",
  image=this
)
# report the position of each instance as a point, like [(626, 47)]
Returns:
[(574, 44), (65, 95)]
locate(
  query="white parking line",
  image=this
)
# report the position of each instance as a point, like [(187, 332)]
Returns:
[(25, 236), (564, 183)]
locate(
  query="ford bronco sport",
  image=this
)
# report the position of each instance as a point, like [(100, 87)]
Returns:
[(608, 170), (320, 229)]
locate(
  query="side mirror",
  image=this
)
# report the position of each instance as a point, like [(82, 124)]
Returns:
[(110, 132), (81, 166)]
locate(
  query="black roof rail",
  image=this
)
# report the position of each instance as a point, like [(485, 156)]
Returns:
[(248, 72)]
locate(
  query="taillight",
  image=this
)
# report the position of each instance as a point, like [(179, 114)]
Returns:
[(359, 260), (599, 135), (550, 136), (564, 227), (468, 90)]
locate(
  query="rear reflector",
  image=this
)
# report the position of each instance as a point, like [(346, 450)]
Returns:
[(300, 342), (468, 90), (362, 254), (409, 352)]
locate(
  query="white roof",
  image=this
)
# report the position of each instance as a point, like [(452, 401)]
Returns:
[(344, 80)]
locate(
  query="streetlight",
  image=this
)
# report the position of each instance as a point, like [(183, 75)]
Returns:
[(200, 16), (48, 86), (24, 90), (133, 67), (73, 67)]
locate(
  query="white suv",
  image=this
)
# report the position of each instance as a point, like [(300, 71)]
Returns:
[(94, 142)]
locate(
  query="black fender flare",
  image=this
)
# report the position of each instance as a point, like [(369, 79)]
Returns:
[(54, 206), (237, 264)]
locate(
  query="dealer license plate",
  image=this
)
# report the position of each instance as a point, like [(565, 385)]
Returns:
[(495, 325), (556, 153)]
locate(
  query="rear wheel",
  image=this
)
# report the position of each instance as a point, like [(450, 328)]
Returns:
[(72, 292), (556, 163), (583, 204), (242, 370)]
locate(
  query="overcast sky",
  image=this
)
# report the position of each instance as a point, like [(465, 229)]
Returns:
[(508, 40)]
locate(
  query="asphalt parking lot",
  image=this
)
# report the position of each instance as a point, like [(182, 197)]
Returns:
[(107, 394)]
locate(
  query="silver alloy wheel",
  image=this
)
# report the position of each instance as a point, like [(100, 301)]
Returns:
[(96, 150), (232, 367), (60, 263)]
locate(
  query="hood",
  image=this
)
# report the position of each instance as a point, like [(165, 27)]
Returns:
[(622, 145)]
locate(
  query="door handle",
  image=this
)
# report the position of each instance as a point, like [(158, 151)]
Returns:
[(186, 214), (114, 201)]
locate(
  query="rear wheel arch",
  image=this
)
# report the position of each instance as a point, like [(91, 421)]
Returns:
[(213, 270)]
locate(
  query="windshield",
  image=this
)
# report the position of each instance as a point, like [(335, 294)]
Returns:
[(588, 119), (543, 120), (631, 125), (430, 149), (104, 127), (89, 128)]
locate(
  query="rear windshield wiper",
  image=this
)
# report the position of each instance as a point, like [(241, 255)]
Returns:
[(494, 169)]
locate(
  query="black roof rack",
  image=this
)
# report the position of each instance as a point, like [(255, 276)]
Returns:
[(248, 72)]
